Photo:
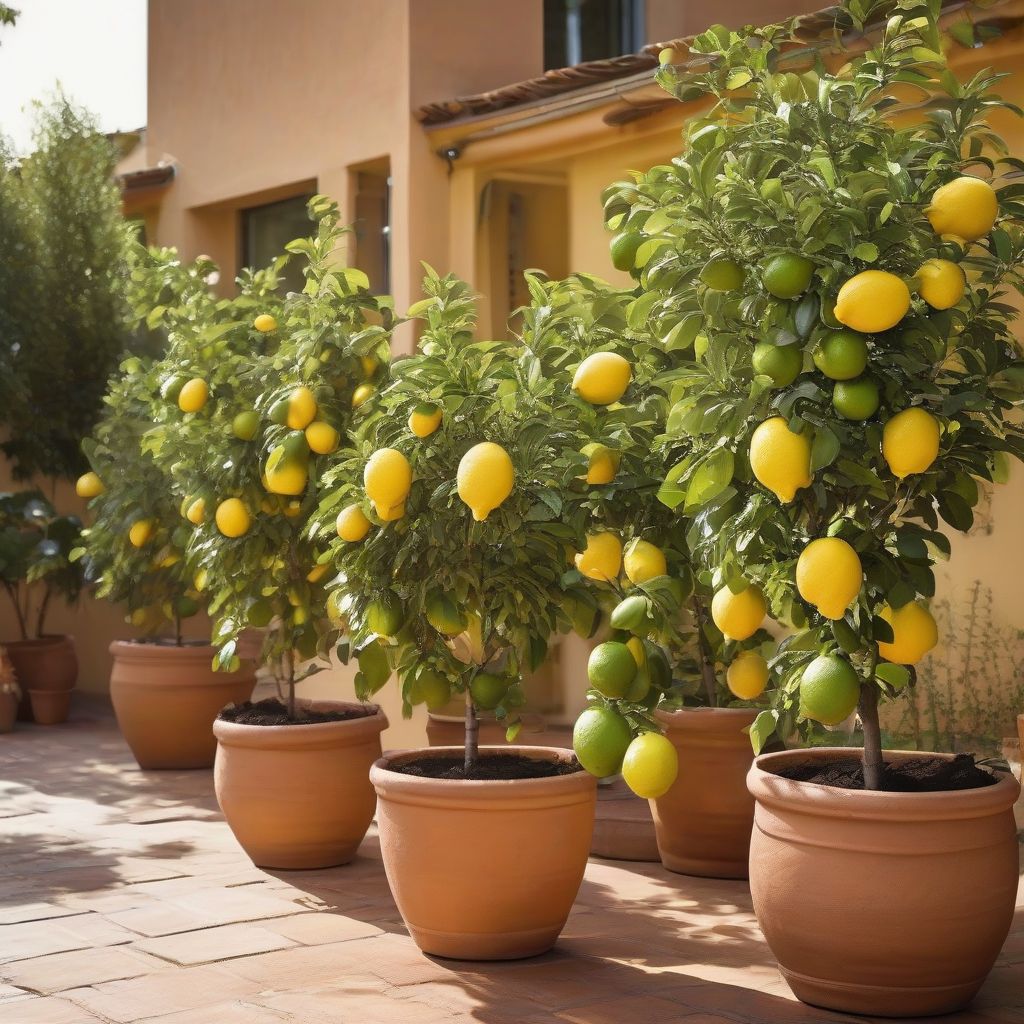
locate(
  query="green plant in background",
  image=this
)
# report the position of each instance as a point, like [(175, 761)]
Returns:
[(839, 277), (35, 563)]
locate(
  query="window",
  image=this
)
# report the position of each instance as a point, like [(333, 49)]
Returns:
[(373, 226), (267, 229), (581, 30)]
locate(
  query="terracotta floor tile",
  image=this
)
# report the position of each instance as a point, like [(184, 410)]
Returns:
[(60, 971), (212, 944), (634, 1007), (35, 912), (240, 1012), (318, 928), (45, 1011)]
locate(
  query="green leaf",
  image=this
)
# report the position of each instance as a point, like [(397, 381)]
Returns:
[(762, 730), (712, 477), (824, 448)]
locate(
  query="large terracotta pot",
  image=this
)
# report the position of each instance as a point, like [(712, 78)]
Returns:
[(299, 796), (166, 698), (484, 870), (46, 663), (890, 904), (8, 711), (50, 707), (703, 822)]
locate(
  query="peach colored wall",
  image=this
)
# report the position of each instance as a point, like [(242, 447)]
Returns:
[(671, 19)]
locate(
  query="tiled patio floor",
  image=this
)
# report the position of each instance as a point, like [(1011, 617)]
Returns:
[(123, 897)]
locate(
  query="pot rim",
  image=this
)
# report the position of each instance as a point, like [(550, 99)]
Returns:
[(308, 736), (819, 800), (705, 717), (46, 640), (133, 650)]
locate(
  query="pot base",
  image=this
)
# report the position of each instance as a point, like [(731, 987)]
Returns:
[(481, 946), (718, 867)]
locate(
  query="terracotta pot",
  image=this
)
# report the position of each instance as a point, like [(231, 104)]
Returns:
[(484, 870), (703, 822), (890, 904), (1020, 733), (50, 707), (299, 796), (8, 711), (166, 699), (46, 663)]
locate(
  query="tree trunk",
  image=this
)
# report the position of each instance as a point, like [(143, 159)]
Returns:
[(289, 660), (868, 708), (19, 614), (472, 736), (707, 663)]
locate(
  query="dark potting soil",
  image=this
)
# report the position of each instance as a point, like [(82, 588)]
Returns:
[(912, 775), (489, 767), (273, 712)]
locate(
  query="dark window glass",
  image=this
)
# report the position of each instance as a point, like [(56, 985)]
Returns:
[(373, 228), (267, 229), (582, 30)]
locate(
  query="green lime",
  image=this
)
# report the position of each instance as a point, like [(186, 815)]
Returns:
[(856, 399), (374, 666), (432, 689), (600, 738), (444, 616), (841, 355), (260, 613), (246, 425), (787, 275), (623, 249), (186, 607), (829, 690), (171, 388), (488, 690), (611, 669), (295, 446), (722, 275), (384, 614), (782, 363), (630, 613)]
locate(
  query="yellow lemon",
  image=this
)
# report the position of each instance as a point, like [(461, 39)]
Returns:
[(941, 283), (393, 514), (780, 459), (747, 675), (872, 301), (910, 441), (965, 206), (603, 463), (602, 558), (485, 478), (387, 478), (352, 524), (317, 573), (141, 532), (650, 766), (196, 512), (285, 474), (265, 323), (232, 518), (369, 365), (321, 437), (362, 395), (829, 576), (915, 633), (602, 378), (301, 408), (193, 395), (425, 419), (738, 616), (643, 561), (88, 485)]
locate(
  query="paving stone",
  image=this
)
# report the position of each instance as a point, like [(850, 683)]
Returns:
[(60, 971), (324, 926), (45, 1011), (223, 1013), (212, 944)]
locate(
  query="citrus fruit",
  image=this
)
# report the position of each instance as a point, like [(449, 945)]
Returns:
[(141, 532), (631, 613), (738, 616), (265, 323), (915, 633), (747, 675), (193, 395), (910, 441), (488, 690), (872, 301), (623, 248), (783, 363), (259, 613), (723, 275), (425, 419), (602, 378), (333, 608), (841, 355), (643, 561), (600, 739), (640, 688), (200, 579), (387, 478), (829, 690), (433, 689), (369, 365), (829, 575), (444, 616), (196, 512), (787, 275), (650, 765), (611, 668), (246, 425), (362, 395), (780, 459), (318, 572), (602, 558), (374, 665), (301, 408), (856, 399), (292, 509), (88, 485), (232, 518), (602, 465), (321, 437), (171, 387), (965, 206), (352, 525), (485, 478), (286, 473), (941, 283), (392, 514), (384, 614)]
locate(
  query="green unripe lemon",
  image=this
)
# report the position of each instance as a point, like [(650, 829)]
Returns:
[(782, 363)]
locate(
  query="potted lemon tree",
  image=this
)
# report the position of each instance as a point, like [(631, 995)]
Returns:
[(452, 532), (854, 390)]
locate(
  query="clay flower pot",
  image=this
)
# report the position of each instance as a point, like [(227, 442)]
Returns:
[(484, 870), (299, 796), (703, 822), (1020, 733), (50, 707), (46, 663), (166, 698), (889, 904), (8, 711)]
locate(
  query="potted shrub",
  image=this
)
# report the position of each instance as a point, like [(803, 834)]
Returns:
[(10, 693), (856, 380), (35, 548), (451, 537), (264, 397)]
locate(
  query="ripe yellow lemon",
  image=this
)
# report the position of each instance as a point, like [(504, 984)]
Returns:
[(915, 633), (910, 441), (829, 690), (780, 459), (232, 518), (387, 479), (393, 514), (965, 206), (425, 419), (321, 437), (193, 395), (872, 301), (485, 478), (600, 739), (301, 408), (738, 616), (88, 485), (643, 561), (352, 524), (829, 576), (941, 283), (747, 675), (318, 572), (141, 532), (285, 473), (603, 463), (196, 512), (602, 558), (265, 323), (602, 378), (650, 765), (362, 395)]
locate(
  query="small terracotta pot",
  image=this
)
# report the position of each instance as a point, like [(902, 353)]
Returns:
[(50, 707), (46, 663), (881, 904), (166, 698), (299, 796), (484, 870), (703, 822), (8, 711)]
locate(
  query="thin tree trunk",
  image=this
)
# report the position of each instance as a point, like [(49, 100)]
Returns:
[(177, 630), (707, 663), (44, 607), (13, 595), (290, 679), (868, 708), (472, 735)]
